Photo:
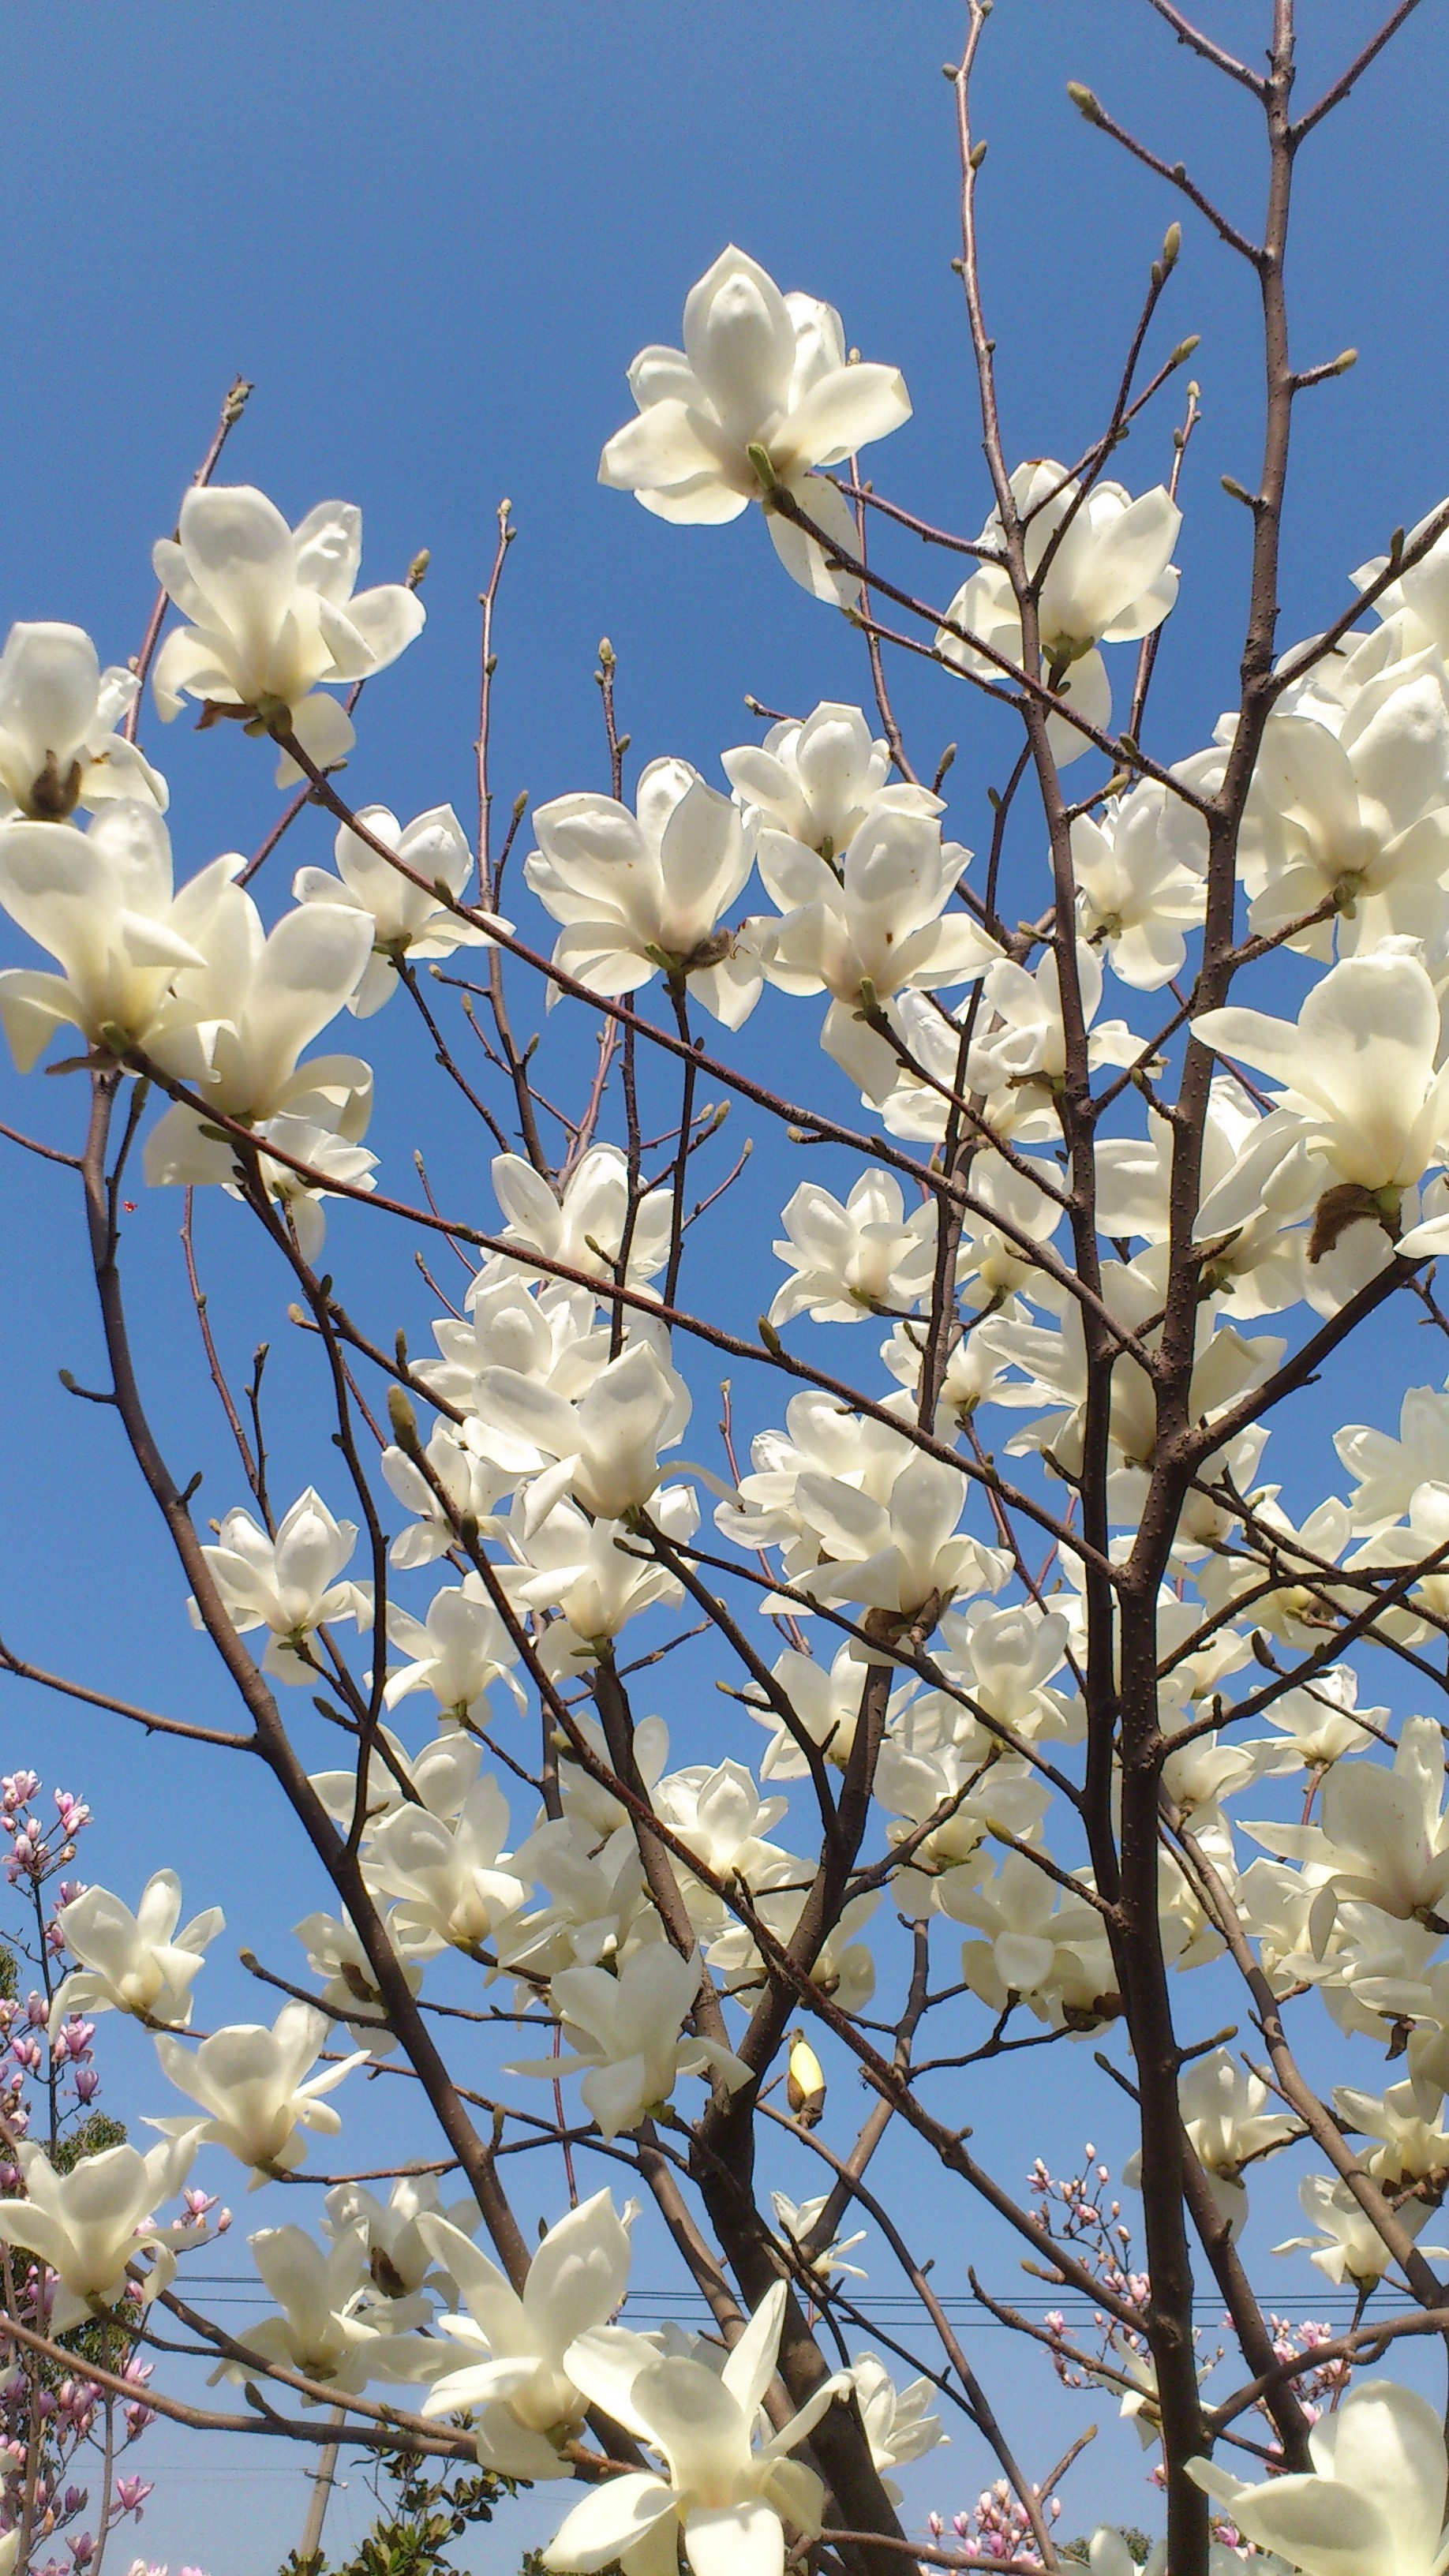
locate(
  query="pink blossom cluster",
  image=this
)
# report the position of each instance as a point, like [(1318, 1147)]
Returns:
[(34, 1854), (998, 2525), (48, 2086)]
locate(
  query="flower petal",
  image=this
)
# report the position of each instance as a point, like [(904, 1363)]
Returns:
[(613, 2518), (735, 2540), (844, 411)]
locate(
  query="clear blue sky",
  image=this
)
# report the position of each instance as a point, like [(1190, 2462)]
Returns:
[(434, 236)]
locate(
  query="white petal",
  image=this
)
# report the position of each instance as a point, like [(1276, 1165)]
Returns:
[(238, 549), (740, 341), (844, 411), (325, 731), (664, 447), (1388, 2442), (751, 2364), (613, 2518), (328, 544), (49, 679), (735, 2540), (802, 558), (384, 622)]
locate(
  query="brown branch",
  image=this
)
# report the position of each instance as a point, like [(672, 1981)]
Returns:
[(231, 412), (1335, 96), (1176, 176), (1213, 53), (218, 1374), (47, 1153), (147, 1717), (204, 2419)]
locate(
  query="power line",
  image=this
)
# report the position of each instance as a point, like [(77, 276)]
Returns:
[(889, 2306)]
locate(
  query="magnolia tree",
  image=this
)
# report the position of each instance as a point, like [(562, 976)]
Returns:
[(1011, 1629)]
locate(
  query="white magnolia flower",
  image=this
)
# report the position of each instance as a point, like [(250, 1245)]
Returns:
[(723, 2496), (1373, 2504), (931, 1764), (1134, 1173), (349, 1985), (626, 2032), (103, 903), (1225, 2114), (1384, 1836), (1358, 1066), (1424, 1537), (1359, 818), (641, 896), (1021, 1034), (822, 1440), (1135, 897), (1292, 1609), (254, 2089), (299, 1197), (1385, 1971), (437, 1779), (1346, 2244), (1040, 1945), (136, 1963), (1109, 581), (1055, 1361), (1413, 2145), (826, 1703), (1005, 1661), (273, 614), (718, 1811), (844, 1968), (1390, 1471), (473, 1483), (1227, 2125), (460, 1650), (606, 1444), (449, 1879), (89, 2224), (1418, 602), (584, 1227), (878, 923), (591, 1572), (1323, 1718), (288, 1584), (901, 1556), (992, 1264), (758, 370), (241, 1019), (596, 1888), (59, 747), (1018, 1114), (1258, 1181), (820, 780), (796, 2220), (1109, 2555), (406, 921), (548, 1333), (320, 2327), (1276, 1904), (853, 1261), (1202, 1774), (399, 2257), (899, 2425), (512, 2344)]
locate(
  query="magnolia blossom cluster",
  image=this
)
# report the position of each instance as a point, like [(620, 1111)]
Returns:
[(896, 1635)]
